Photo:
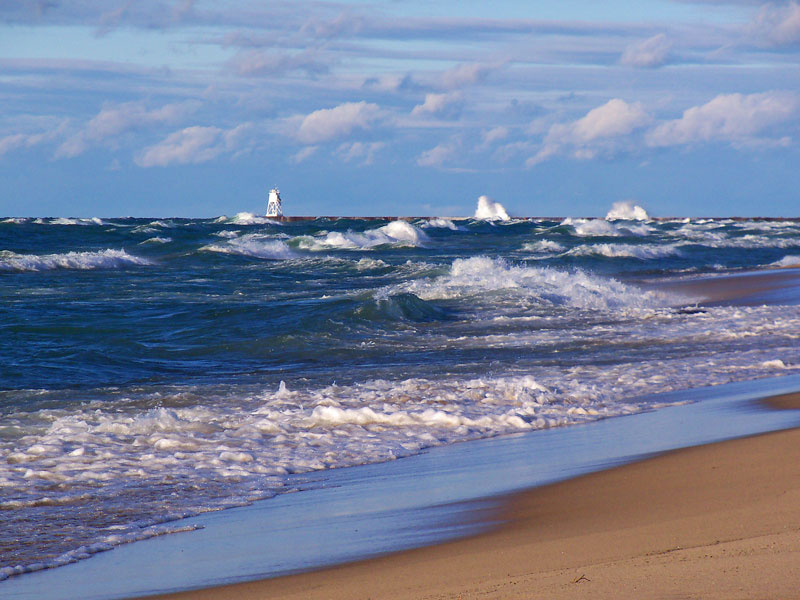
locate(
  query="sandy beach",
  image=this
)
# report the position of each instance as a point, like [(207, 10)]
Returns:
[(715, 521)]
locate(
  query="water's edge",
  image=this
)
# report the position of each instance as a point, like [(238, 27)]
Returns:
[(354, 513)]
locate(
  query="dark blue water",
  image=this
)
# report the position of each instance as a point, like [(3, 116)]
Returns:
[(154, 369)]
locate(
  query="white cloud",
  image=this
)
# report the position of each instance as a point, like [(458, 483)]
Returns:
[(600, 130), (303, 154), (468, 74), (20, 140), (650, 53), (439, 104), (438, 155), (193, 145), (360, 150), (495, 135), (779, 23), (728, 117), (29, 140), (329, 123), (262, 62), (113, 121)]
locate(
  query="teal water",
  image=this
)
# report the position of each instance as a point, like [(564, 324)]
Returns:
[(152, 370)]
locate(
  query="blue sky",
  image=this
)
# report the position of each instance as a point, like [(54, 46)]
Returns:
[(196, 108)]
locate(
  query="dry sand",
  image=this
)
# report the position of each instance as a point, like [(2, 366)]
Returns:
[(717, 521)]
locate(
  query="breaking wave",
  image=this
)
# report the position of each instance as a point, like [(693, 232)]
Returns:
[(642, 252), (628, 211), (489, 210), (578, 289), (255, 245), (395, 233), (102, 259)]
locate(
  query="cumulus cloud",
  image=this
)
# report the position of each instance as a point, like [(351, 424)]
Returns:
[(23, 140), (468, 74), (495, 135), (779, 23), (448, 104), (114, 120), (650, 53), (304, 153), (15, 141), (365, 152), (193, 145), (600, 130), (734, 118), (262, 62), (329, 123), (436, 156)]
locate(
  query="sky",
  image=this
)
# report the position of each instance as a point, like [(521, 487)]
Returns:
[(196, 108)]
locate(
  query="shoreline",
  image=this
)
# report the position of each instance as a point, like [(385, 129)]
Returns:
[(720, 520), (436, 500)]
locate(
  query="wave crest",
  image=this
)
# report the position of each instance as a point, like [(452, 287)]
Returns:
[(102, 259), (578, 289)]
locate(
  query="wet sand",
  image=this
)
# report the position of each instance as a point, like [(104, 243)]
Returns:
[(715, 521)]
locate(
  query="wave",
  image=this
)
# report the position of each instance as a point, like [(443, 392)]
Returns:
[(246, 218), (396, 233), (787, 261), (69, 221), (227, 234), (544, 246), (402, 307), (102, 259), (604, 228), (480, 275), (489, 210), (157, 240), (628, 211), (643, 252), (255, 245), (441, 223)]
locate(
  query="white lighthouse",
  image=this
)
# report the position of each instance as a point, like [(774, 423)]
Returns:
[(274, 208)]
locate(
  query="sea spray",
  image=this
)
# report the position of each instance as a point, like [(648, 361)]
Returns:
[(489, 210), (627, 210)]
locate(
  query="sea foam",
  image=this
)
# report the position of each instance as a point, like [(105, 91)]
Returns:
[(627, 210), (395, 233), (255, 245), (489, 210), (481, 275), (101, 259)]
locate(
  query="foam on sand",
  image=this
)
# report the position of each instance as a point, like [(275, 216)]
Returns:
[(489, 210)]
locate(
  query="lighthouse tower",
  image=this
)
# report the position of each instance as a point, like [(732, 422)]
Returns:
[(274, 208)]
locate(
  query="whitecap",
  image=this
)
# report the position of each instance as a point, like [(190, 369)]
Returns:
[(255, 245), (480, 275), (442, 224), (628, 211), (157, 240), (643, 252), (787, 261), (544, 247), (102, 259), (396, 233), (246, 218), (489, 210)]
